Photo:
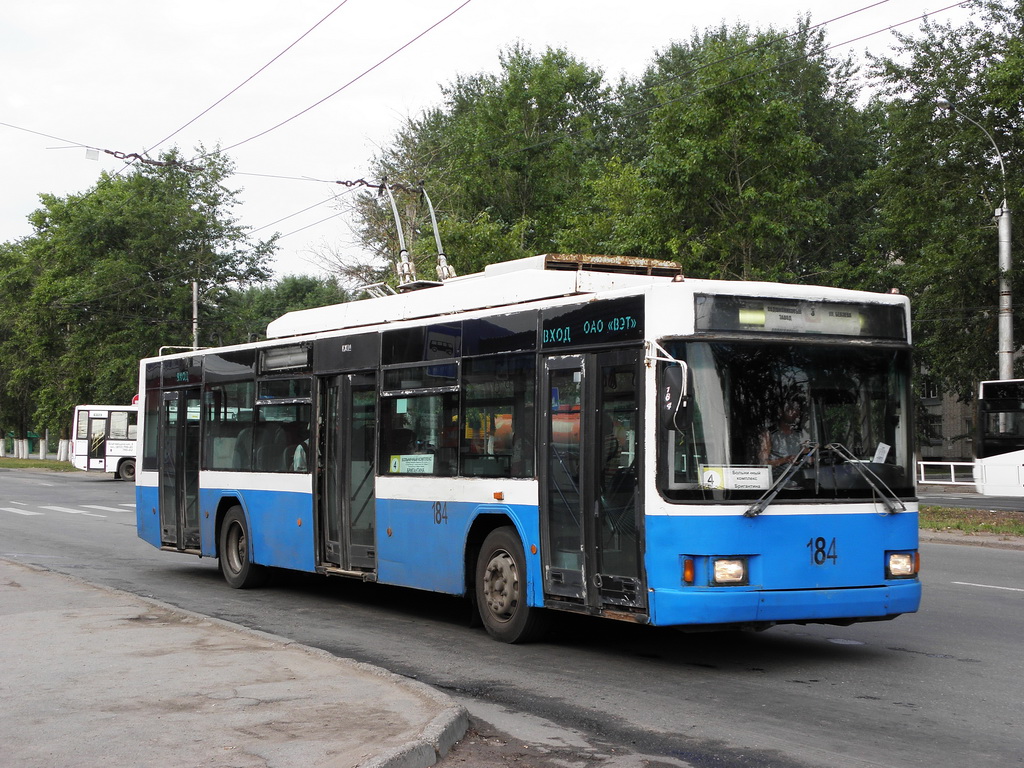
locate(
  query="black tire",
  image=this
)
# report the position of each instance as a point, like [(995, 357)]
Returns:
[(501, 590), (126, 471), (233, 553)]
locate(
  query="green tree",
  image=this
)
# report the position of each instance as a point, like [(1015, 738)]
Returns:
[(933, 234), (740, 156), (16, 403), (242, 314), (503, 158), (107, 278)]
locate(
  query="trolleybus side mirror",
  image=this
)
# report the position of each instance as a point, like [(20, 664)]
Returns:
[(673, 396)]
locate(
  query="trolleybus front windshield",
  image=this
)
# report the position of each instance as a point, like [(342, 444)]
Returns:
[(756, 409)]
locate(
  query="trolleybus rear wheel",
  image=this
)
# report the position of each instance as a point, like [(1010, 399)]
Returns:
[(238, 570), (501, 590), (127, 470)]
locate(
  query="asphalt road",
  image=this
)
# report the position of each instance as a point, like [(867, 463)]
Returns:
[(943, 687), (963, 497)]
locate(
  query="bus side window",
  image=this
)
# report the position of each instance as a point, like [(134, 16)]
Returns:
[(419, 435), (296, 452), (119, 425), (228, 425), (497, 417), (280, 429)]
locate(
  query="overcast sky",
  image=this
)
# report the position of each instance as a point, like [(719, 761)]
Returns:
[(123, 74)]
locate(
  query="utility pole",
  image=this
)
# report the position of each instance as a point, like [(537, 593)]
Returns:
[(1002, 215)]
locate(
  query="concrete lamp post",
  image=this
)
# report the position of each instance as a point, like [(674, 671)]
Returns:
[(1002, 215)]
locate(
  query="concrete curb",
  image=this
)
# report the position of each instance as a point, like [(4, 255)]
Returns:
[(439, 736), (433, 742)]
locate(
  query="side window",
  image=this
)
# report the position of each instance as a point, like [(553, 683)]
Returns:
[(151, 429), (119, 425), (419, 435), (281, 433), (82, 428), (498, 417), (229, 427)]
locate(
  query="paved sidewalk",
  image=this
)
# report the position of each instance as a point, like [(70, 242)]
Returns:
[(94, 676)]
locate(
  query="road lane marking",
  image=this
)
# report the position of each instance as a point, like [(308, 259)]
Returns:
[(105, 509), (132, 505), (16, 511), (987, 586), (73, 511)]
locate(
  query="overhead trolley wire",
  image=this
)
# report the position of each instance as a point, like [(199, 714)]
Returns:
[(406, 45), (46, 135), (248, 79), (351, 82), (331, 199)]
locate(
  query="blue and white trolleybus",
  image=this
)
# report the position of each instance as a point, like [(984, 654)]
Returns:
[(561, 433)]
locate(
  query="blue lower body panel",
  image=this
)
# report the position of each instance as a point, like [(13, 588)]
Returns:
[(421, 543), (280, 523), (147, 513), (801, 567), (280, 527)]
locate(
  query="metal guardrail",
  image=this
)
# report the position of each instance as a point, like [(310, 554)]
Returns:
[(945, 472)]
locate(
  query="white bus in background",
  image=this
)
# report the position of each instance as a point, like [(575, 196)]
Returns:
[(999, 445), (105, 439)]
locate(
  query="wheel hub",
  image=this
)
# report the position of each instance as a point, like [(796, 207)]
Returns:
[(501, 586)]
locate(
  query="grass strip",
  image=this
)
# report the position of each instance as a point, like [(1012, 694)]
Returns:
[(55, 466), (972, 520)]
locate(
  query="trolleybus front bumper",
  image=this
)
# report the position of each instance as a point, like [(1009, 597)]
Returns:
[(705, 606)]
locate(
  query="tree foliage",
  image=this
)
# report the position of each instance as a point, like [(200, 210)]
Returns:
[(939, 183), (749, 149), (740, 153), (243, 313), (743, 153), (106, 278), (504, 156)]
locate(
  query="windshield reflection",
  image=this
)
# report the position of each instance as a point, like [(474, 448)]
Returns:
[(755, 408)]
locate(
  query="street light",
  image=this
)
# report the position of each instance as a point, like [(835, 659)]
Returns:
[(1002, 215)]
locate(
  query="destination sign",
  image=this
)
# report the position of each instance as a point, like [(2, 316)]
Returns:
[(598, 322), (799, 316)]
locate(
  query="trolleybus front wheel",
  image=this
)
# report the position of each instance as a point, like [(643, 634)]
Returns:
[(238, 570), (501, 590)]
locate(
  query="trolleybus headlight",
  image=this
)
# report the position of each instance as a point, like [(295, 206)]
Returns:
[(902, 565), (730, 571)]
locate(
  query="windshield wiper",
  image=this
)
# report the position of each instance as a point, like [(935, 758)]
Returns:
[(889, 499), (807, 451)]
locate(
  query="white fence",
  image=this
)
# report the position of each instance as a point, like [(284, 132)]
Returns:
[(945, 472)]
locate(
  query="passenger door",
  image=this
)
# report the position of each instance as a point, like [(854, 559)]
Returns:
[(591, 513), (179, 469), (346, 470), (98, 442)]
